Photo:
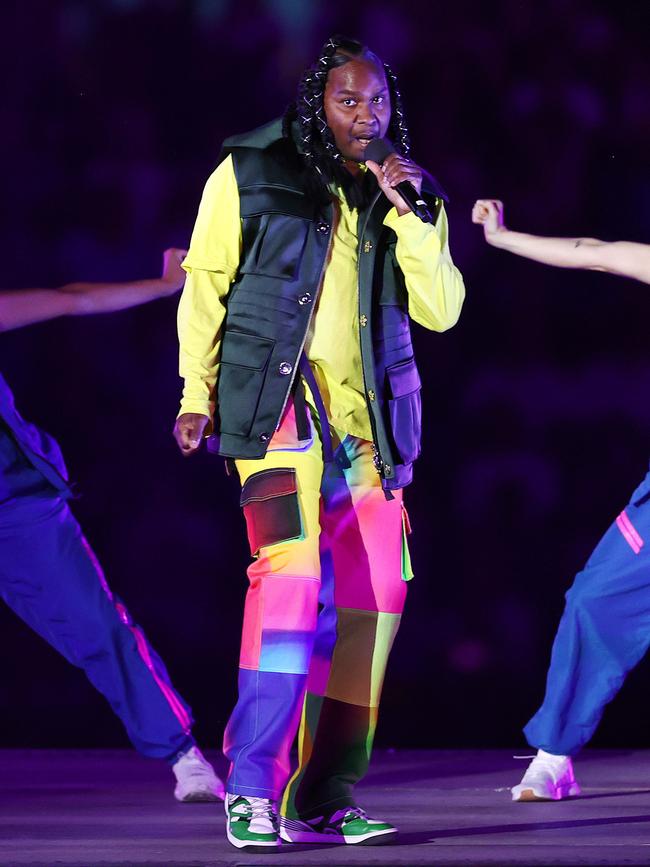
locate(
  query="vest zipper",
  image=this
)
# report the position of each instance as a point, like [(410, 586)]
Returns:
[(296, 365)]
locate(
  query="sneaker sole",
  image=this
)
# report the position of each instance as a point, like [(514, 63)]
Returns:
[(372, 838), (199, 798), (560, 794)]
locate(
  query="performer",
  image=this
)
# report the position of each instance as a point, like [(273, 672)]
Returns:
[(605, 628), (51, 578), (303, 269)]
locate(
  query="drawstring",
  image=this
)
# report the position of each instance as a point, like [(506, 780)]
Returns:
[(300, 407), (307, 372), (328, 450)]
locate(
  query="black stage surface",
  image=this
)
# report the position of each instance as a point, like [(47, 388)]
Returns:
[(91, 808)]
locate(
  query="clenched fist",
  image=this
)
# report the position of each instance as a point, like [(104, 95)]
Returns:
[(188, 431), (489, 214)]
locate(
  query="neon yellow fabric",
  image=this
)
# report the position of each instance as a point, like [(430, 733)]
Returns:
[(211, 264), (333, 345), (435, 287)]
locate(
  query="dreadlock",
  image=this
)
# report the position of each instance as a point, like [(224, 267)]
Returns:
[(325, 163)]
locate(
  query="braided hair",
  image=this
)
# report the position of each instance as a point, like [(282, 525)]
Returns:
[(325, 163)]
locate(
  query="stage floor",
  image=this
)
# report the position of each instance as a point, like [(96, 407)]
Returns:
[(101, 808)]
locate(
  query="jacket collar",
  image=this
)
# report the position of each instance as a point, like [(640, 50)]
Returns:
[(264, 136)]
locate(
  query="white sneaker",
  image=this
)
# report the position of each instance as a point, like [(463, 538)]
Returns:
[(547, 778), (196, 779)]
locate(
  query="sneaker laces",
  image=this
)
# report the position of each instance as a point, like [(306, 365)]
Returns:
[(193, 764), (352, 813), (255, 808), (195, 768), (541, 765), (262, 808), (547, 761)]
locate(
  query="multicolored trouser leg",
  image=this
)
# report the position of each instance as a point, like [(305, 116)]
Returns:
[(603, 633), (362, 598), (341, 551)]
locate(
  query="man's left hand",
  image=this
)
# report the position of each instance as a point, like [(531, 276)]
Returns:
[(393, 171)]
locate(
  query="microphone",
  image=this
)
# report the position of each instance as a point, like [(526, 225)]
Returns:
[(378, 149)]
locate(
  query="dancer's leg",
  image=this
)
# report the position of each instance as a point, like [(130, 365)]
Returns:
[(603, 633), (50, 577)]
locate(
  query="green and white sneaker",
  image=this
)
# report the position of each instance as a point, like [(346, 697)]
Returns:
[(349, 825), (252, 823)]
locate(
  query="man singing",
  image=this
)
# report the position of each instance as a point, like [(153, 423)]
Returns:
[(304, 268)]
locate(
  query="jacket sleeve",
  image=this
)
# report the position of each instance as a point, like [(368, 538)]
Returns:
[(435, 286), (211, 265)]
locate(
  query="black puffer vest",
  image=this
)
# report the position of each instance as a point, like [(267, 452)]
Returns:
[(286, 238)]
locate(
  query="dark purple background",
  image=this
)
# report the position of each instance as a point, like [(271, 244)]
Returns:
[(537, 410)]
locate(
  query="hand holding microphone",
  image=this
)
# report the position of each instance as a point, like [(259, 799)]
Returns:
[(398, 177)]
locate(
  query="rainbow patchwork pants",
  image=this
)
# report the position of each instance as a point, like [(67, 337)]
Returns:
[(323, 607), (603, 633)]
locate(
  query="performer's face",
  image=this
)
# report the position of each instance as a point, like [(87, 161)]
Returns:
[(357, 106)]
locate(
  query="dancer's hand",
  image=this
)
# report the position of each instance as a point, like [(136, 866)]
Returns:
[(188, 431), (172, 273), (489, 214)]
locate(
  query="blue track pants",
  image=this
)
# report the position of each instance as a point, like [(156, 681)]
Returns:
[(603, 633), (50, 577)]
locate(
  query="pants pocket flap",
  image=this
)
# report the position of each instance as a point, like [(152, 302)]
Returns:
[(268, 484), (271, 508)]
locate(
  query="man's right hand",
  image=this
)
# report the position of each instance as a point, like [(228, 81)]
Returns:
[(188, 431)]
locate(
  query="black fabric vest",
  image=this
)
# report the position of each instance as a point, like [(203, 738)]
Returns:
[(286, 237)]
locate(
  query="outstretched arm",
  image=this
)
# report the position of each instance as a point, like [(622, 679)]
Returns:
[(27, 306), (624, 258)]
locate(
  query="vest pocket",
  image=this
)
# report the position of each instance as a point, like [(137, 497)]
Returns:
[(405, 408), (269, 499), (242, 368), (278, 241)]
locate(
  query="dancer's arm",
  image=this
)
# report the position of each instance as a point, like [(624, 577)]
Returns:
[(624, 258), (26, 306)]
